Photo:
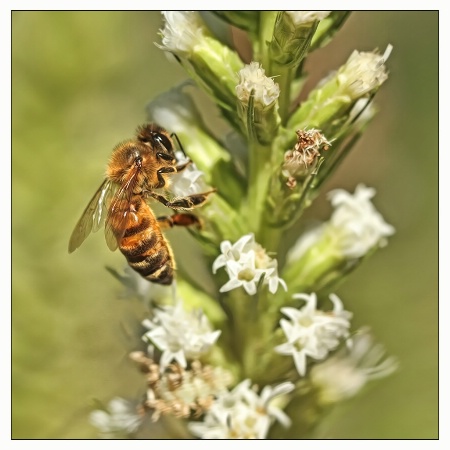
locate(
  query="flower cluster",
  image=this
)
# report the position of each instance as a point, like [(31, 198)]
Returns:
[(118, 419), (179, 392), (246, 263), (179, 335), (242, 413), (311, 332), (250, 352), (355, 224)]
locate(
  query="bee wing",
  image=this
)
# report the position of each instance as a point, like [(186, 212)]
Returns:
[(119, 210), (93, 216)]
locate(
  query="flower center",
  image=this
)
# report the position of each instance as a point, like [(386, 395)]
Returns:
[(246, 274)]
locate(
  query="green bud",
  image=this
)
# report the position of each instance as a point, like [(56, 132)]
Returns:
[(292, 37), (328, 106), (258, 106)]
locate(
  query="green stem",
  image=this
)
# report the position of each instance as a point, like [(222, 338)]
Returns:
[(259, 177), (284, 79), (267, 22)]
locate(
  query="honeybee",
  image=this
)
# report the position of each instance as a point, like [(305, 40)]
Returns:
[(137, 168)]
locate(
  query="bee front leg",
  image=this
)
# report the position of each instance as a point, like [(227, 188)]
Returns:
[(183, 166), (161, 180), (188, 202)]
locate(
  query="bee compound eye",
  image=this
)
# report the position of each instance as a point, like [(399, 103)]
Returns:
[(164, 141)]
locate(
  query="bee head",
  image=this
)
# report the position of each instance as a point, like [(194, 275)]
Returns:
[(155, 137)]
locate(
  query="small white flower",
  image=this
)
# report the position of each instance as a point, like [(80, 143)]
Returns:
[(179, 334), (347, 372), (232, 252), (355, 227), (271, 277), (246, 262), (301, 17), (243, 273), (356, 224), (182, 31), (242, 413), (119, 420), (252, 78), (363, 72), (189, 181), (311, 332)]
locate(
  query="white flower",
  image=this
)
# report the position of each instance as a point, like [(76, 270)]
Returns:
[(182, 31), (363, 72), (232, 252), (252, 78), (356, 224), (243, 273), (179, 334), (242, 413), (355, 227), (189, 181), (271, 277), (347, 372), (119, 420), (246, 262), (301, 17), (311, 332)]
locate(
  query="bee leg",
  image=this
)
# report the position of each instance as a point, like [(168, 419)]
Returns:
[(183, 166), (161, 180), (188, 202), (179, 220)]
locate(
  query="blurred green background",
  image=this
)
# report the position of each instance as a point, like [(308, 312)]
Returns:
[(81, 81)]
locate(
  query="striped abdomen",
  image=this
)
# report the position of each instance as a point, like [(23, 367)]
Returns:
[(144, 245)]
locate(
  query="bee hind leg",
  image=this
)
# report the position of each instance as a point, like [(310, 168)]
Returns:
[(179, 220)]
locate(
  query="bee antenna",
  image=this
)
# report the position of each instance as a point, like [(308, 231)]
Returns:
[(173, 135)]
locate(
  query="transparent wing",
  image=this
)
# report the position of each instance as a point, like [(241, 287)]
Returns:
[(93, 216), (119, 210)]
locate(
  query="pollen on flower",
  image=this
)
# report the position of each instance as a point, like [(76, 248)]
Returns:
[(252, 78), (180, 392), (305, 153)]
